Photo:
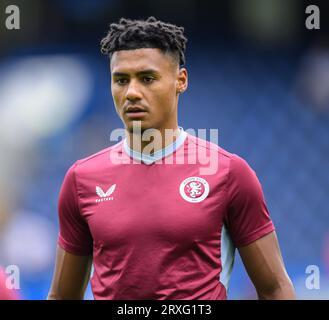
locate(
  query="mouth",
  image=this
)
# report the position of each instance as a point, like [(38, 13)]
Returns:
[(135, 112)]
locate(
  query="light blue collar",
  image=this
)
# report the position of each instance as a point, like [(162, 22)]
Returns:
[(148, 159)]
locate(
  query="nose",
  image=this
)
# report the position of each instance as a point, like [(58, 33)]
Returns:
[(133, 92)]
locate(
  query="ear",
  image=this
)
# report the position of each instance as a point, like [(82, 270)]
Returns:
[(182, 80)]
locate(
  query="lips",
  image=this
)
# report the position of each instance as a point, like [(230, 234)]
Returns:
[(135, 112), (134, 109)]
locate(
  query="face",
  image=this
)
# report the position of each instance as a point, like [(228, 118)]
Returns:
[(145, 86)]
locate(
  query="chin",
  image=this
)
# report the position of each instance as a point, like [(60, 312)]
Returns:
[(144, 126)]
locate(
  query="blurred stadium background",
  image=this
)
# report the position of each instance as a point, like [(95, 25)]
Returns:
[(256, 73)]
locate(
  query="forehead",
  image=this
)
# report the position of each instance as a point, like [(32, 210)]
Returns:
[(129, 61)]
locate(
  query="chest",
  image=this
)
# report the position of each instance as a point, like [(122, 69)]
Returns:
[(171, 204)]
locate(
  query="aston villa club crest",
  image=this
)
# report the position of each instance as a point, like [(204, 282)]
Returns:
[(194, 189)]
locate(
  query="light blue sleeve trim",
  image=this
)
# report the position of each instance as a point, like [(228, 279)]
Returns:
[(227, 258)]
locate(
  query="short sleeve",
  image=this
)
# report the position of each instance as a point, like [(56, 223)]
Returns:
[(247, 217), (74, 234)]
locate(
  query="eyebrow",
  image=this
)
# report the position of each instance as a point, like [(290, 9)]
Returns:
[(140, 73)]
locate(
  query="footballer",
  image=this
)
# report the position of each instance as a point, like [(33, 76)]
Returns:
[(155, 229)]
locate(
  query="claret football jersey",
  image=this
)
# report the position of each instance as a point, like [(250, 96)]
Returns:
[(163, 226)]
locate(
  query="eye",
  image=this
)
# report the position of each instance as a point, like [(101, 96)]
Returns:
[(148, 79), (121, 81)]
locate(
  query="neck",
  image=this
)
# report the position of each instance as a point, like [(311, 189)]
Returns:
[(151, 141)]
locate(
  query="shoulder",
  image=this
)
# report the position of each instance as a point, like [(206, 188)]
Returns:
[(242, 180), (100, 155), (208, 145), (235, 163), (239, 167), (97, 160)]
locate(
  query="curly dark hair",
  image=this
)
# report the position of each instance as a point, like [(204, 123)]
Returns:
[(150, 33)]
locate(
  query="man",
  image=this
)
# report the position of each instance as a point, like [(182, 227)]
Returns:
[(151, 224)]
